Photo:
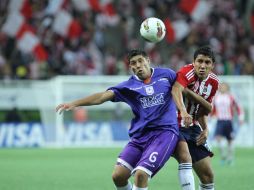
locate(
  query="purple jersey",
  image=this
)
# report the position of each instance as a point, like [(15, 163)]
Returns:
[(151, 103)]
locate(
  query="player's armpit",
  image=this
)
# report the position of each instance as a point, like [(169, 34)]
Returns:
[(107, 96)]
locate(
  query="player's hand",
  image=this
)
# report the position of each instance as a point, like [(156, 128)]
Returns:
[(201, 139), (64, 107), (187, 118)]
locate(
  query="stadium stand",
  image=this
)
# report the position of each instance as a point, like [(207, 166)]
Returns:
[(42, 39)]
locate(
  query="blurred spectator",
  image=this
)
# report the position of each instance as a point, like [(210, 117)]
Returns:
[(80, 115), (72, 37)]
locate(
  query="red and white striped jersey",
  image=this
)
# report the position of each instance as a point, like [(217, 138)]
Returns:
[(224, 105), (206, 88)]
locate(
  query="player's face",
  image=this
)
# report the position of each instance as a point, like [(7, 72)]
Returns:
[(140, 66), (203, 65)]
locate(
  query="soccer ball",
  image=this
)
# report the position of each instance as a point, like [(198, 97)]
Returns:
[(152, 29)]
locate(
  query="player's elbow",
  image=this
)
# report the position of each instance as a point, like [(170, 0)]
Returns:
[(204, 111), (208, 110)]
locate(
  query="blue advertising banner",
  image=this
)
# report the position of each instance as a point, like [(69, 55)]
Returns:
[(21, 135), (73, 134)]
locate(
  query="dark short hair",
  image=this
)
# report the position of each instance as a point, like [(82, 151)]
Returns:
[(136, 52), (205, 50)]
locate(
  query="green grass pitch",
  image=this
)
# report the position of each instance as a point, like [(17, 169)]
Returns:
[(91, 168)]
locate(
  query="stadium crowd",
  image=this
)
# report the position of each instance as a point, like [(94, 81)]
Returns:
[(81, 37)]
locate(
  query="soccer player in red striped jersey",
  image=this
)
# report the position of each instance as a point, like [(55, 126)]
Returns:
[(225, 106), (192, 149)]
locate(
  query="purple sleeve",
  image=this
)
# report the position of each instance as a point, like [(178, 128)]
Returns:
[(117, 92), (120, 92), (172, 76)]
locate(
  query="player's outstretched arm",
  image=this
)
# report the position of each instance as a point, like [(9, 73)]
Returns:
[(94, 99), (199, 100), (177, 91)]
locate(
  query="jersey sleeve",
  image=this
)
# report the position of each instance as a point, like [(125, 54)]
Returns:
[(181, 77), (172, 76), (119, 92)]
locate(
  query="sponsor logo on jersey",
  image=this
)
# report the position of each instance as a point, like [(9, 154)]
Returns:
[(154, 100)]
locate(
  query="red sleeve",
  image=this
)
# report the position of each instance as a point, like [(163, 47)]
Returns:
[(182, 79), (182, 76)]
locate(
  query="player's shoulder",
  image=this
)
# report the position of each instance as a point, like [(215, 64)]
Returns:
[(125, 83), (131, 80), (164, 73), (187, 69), (214, 78), (186, 73)]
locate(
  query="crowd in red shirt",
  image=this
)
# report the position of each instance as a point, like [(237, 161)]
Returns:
[(92, 38)]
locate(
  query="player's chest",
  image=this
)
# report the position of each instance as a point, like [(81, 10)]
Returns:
[(154, 87), (203, 88)]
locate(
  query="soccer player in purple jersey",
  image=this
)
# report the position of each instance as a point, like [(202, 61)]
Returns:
[(154, 129)]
